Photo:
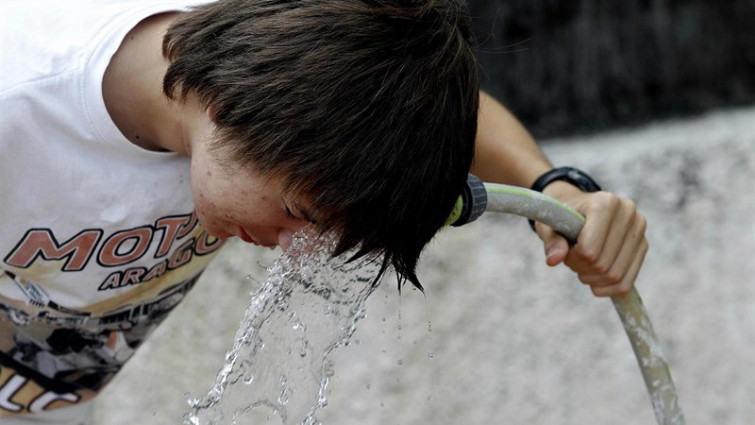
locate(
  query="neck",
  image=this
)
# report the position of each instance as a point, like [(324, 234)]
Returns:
[(132, 90)]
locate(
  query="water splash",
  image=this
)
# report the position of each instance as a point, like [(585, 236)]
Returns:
[(279, 365)]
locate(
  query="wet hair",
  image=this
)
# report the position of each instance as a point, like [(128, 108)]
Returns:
[(366, 108)]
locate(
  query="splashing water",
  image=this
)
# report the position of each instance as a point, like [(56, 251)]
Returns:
[(279, 364)]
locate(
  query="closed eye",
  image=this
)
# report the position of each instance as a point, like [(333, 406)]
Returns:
[(299, 213), (289, 214)]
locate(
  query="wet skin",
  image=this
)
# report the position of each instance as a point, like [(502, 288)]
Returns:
[(231, 200)]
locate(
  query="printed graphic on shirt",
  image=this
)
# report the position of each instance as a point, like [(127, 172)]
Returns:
[(53, 354)]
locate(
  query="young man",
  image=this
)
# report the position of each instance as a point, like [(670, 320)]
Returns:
[(137, 136)]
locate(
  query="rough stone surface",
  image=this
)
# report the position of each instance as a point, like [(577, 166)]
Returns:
[(498, 336)]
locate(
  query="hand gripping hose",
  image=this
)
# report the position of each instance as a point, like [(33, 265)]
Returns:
[(479, 197)]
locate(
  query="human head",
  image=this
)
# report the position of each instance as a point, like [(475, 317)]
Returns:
[(366, 108)]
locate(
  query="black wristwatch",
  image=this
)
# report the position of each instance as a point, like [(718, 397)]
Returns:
[(571, 175)]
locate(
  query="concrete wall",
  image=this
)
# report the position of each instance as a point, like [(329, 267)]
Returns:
[(512, 340)]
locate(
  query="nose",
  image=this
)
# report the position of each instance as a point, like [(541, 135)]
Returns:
[(285, 234), (285, 237)]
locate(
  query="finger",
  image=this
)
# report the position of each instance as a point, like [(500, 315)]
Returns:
[(628, 282), (619, 238), (616, 273), (556, 246), (600, 213), (604, 273)]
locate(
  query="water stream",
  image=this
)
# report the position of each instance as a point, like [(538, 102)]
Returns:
[(279, 368)]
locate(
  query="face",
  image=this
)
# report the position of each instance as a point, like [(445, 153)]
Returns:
[(231, 200)]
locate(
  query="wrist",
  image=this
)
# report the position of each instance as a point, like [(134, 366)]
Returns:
[(562, 190), (564, 183)]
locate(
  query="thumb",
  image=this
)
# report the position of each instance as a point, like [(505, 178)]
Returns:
[(556, 246)]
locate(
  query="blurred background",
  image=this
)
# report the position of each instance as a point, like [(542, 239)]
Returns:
[(656, 99), (567, 67)]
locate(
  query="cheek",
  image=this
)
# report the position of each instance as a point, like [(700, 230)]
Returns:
[(202, 206), (216, 204), (204, 203)]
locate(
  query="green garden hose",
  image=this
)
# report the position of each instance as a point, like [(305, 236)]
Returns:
[(481, 197)]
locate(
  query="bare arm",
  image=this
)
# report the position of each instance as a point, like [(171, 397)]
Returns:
[(612, 246), (505, 152)]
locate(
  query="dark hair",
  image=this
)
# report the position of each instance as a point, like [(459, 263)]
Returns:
[(367, 108)]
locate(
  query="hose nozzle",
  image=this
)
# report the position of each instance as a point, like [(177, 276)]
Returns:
[(471, 204)]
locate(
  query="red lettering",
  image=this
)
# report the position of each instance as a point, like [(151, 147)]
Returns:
[(182, 255), (207, 244), (111, 282), (41, 243), (156, 271), (120, 248), (109, 253), (170, 227), (133, 276), (188, 227)]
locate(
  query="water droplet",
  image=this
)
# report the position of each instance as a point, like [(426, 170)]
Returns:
[(431, 355), (192, 401), (283, 399)]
